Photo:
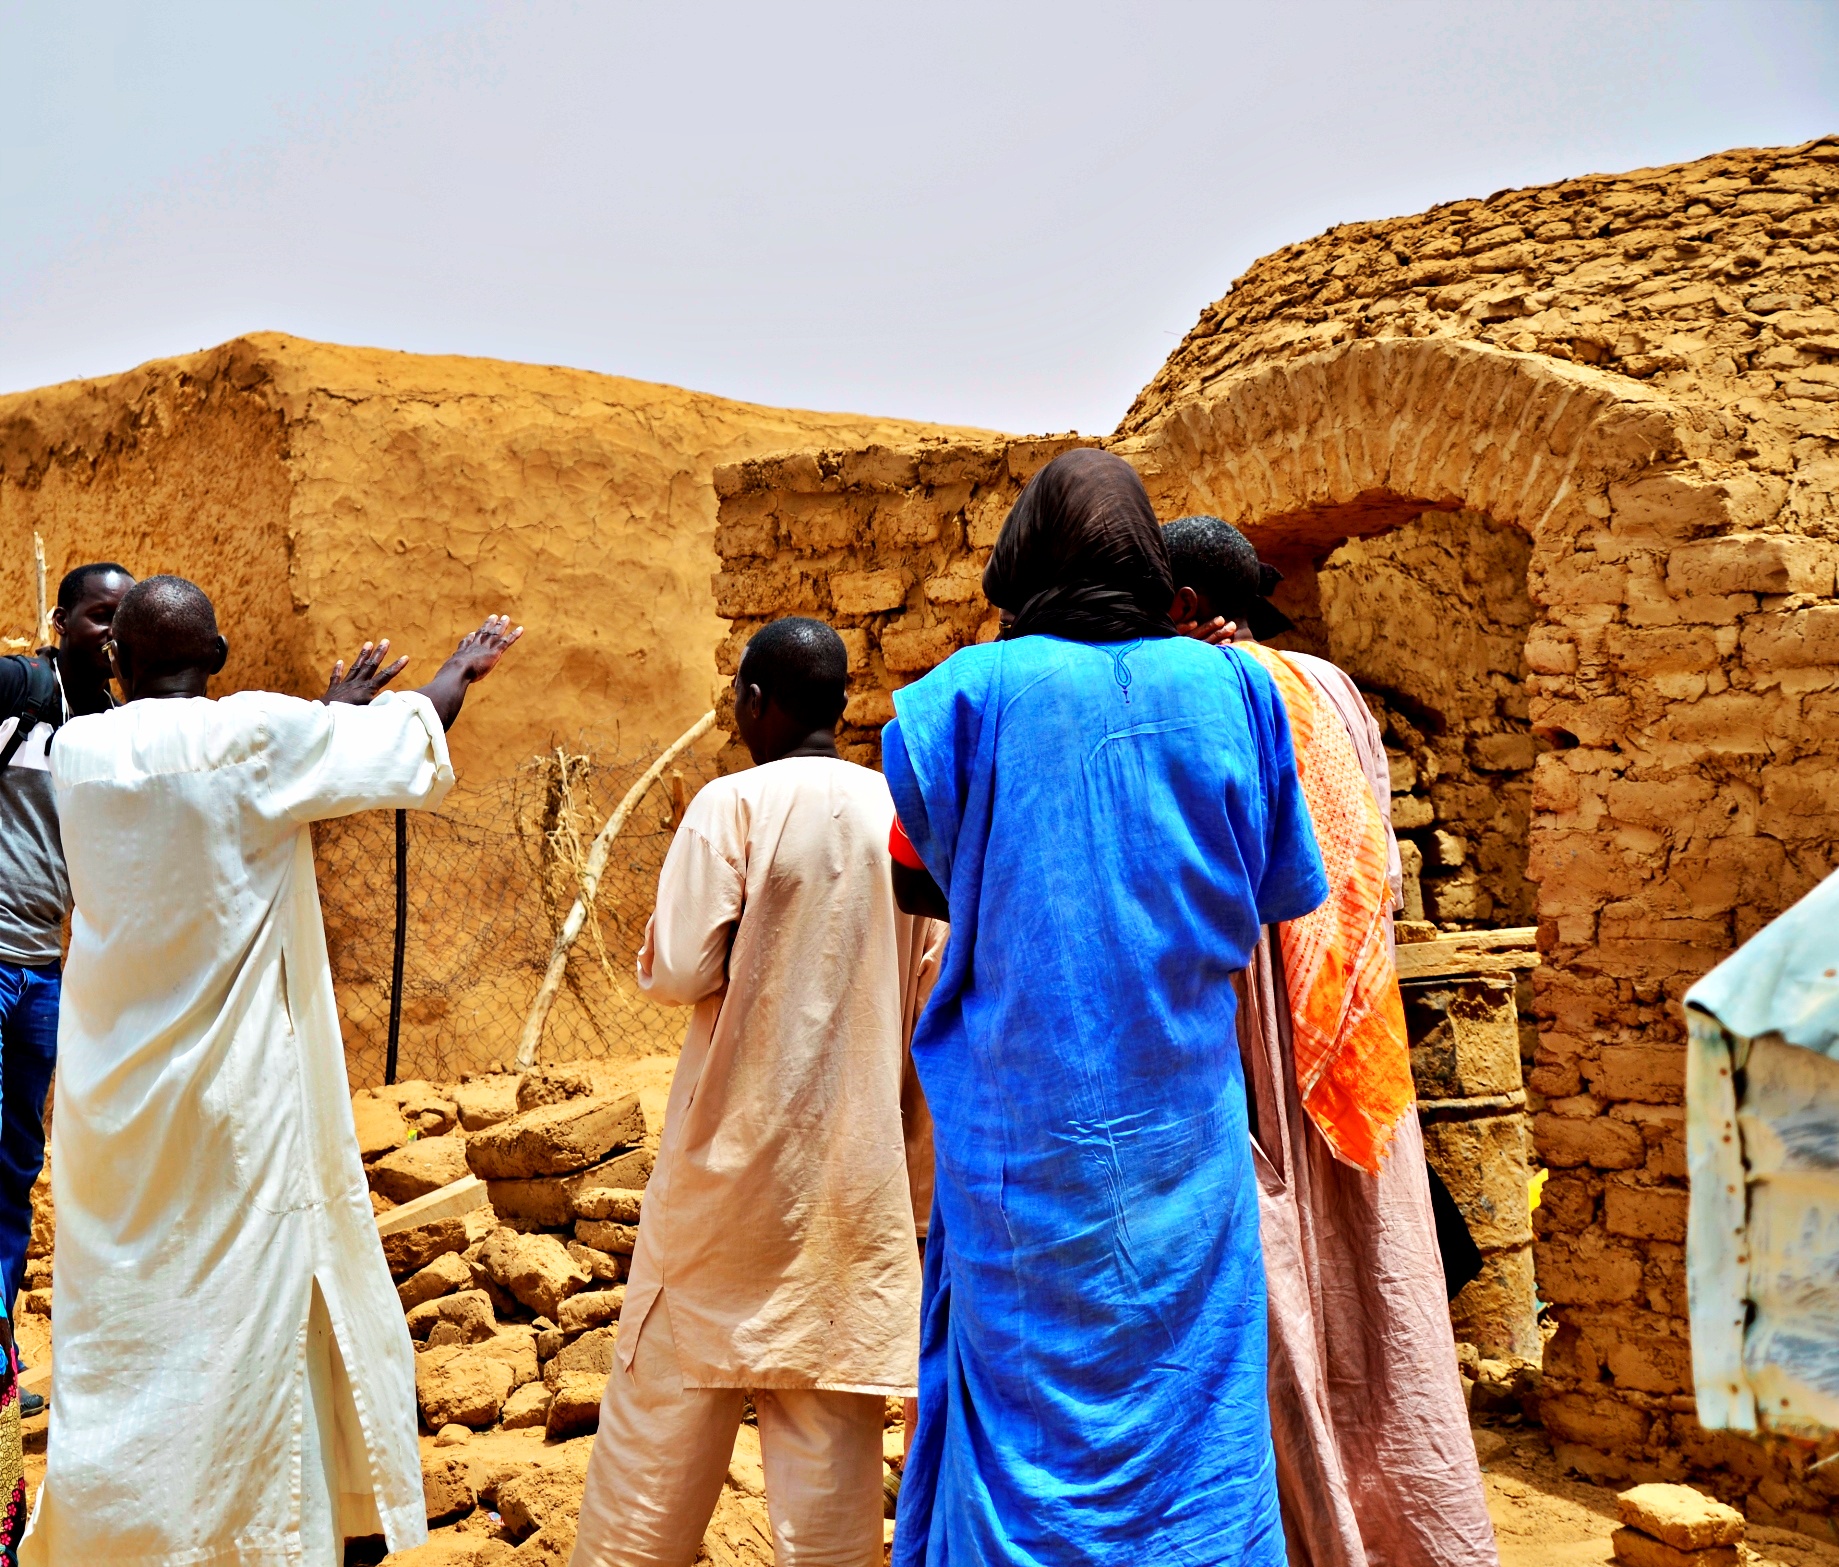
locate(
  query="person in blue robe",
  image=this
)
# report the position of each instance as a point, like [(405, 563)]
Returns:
[(1109, 813)]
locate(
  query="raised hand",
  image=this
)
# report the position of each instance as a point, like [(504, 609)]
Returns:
[(475, 658), (479, 651), (367, 675)]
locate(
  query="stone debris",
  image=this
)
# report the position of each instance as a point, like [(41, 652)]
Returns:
[(380, 1126), (1635, 1549), (549, 1085), (486, 1101), (541, 1497), (604, 1235), (536, 1269), (592, 1309), (574, 1408), (554, 1139), (609, 1202), (447, 1487), (481, 1188), (600, 1266), (429, 1110), (592, 1352), (548, 1203), (527, 1406), (419, 1167), (459, 1386), (515, 1345), (409, 1251), (469, 1313), (1676, 1526), (448, 1272)]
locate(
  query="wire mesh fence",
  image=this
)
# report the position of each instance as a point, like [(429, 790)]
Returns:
[(491, 876)]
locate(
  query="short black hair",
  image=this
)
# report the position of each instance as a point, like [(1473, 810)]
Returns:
[(803, 666), (1214, 558), (167, 624), (70, 590)]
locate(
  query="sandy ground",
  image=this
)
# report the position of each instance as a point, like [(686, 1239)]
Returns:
[(1546, 1518), (1542, 1517)]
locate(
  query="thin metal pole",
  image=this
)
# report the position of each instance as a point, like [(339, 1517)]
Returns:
[(402, 933)]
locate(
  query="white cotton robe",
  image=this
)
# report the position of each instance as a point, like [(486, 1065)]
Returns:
[(205, 1166)]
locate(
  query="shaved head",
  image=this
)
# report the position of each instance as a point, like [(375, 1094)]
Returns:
[(802, 665), (166, 626)]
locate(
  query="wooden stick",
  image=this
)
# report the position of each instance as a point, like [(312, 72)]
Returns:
[(590, 886), (44, 609)]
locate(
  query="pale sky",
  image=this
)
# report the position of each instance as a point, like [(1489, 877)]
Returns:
[(1001, 214)]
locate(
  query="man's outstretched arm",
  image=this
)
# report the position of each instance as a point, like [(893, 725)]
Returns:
[(475, 658)]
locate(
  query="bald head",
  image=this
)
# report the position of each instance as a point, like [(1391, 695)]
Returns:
[(166, 639)]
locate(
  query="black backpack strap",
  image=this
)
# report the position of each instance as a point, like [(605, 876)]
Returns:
[(41, 705)]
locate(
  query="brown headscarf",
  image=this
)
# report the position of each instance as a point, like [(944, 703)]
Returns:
[(1081, 556)]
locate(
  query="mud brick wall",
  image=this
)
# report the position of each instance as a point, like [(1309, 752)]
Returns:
[(324, 494), (1634, 377), (1462, 1015), (1431, 620), (887, 544)]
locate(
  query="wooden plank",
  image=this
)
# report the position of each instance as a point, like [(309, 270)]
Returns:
[(452, 1201), (1516, 936), (1441, 960), (1471, 952)]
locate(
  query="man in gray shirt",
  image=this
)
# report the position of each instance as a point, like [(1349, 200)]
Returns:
[(37, 693)]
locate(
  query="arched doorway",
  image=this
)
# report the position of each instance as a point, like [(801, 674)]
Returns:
[(1427, 500)]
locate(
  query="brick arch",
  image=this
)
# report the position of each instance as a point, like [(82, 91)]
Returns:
[(1305, 452), (1676, 620)]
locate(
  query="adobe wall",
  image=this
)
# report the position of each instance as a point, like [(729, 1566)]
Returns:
[(322, 494), (1431, 620), (1638, 377)]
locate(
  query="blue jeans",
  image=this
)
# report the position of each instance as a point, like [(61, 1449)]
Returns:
[(28, 1054)]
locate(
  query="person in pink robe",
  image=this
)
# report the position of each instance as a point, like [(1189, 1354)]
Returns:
[(1375, 1462)]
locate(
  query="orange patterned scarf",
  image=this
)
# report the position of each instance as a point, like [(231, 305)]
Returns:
[(1353, 1064)]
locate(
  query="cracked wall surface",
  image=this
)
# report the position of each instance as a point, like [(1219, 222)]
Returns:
[(324, 494), (1622, 390)]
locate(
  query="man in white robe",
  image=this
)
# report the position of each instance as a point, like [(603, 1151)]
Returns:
[(777, 1250), (235, 1382)]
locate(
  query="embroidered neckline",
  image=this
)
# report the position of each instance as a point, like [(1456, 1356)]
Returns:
[(1120, 671)]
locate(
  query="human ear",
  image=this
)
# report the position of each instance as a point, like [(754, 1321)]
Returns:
[(1185, 608), (221, 656)]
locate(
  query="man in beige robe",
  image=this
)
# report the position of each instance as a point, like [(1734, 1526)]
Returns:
[(777, 1251)]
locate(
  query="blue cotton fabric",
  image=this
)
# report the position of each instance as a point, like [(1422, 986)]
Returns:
[(1112, 824)]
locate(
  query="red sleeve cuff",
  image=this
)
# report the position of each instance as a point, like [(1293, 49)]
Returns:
[(901, 847)]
